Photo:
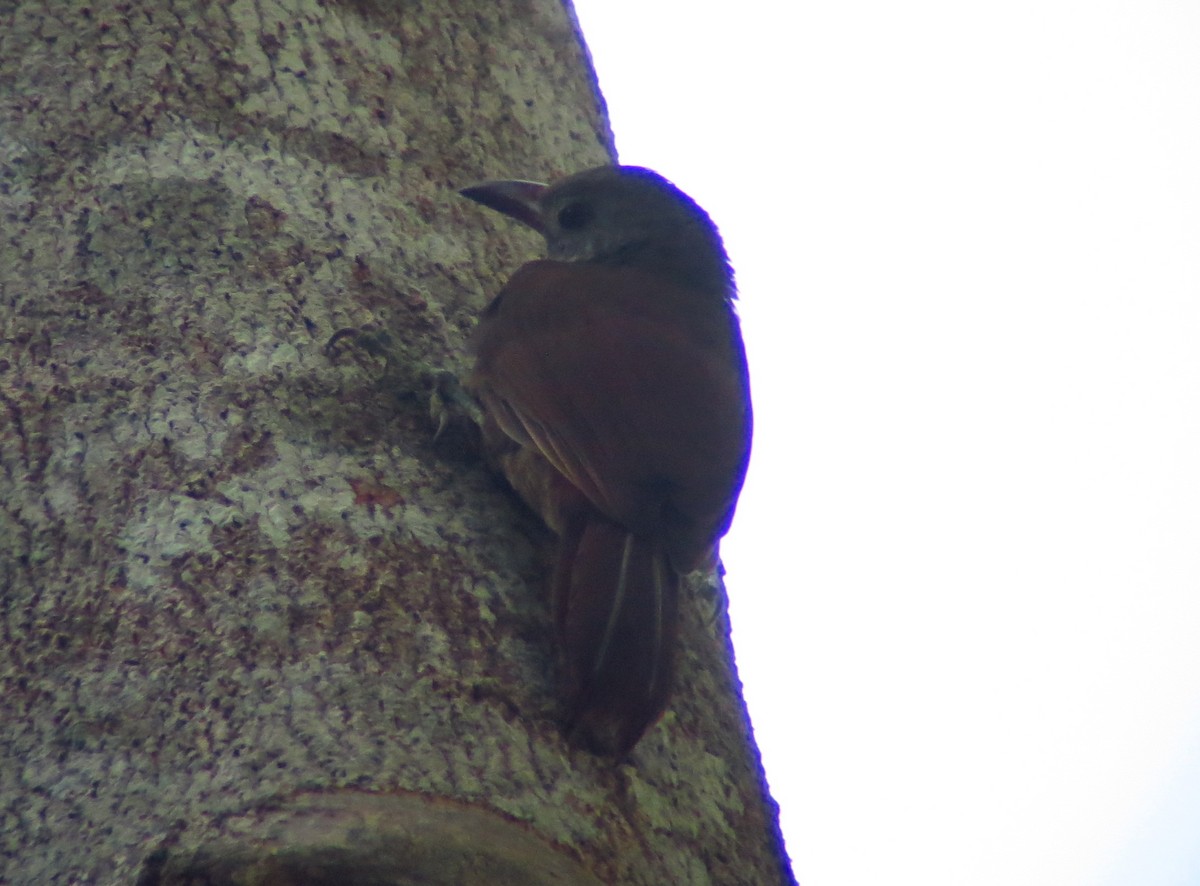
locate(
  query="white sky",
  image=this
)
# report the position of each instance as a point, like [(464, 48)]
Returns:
[(965, 573)]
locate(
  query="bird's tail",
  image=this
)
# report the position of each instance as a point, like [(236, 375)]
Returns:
[(617, 610)]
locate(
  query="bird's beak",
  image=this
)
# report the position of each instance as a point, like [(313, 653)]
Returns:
[(516, 199)]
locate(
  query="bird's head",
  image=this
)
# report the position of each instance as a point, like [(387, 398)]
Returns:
[(618, 215)]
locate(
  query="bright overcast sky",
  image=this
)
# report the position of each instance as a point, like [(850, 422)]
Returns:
[(965, 573)]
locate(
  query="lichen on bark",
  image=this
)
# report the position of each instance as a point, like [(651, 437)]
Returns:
[(237, 575)]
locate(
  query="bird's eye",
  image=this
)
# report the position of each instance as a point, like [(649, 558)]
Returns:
[(574, 216)]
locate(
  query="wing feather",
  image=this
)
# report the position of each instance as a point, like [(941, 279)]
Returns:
[(633, 388)]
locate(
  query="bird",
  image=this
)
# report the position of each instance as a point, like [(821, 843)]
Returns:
[(615, 396)]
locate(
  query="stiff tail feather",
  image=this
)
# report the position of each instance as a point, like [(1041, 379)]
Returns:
[(617, 610)]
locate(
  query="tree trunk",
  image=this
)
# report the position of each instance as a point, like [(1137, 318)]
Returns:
[(256, 623)]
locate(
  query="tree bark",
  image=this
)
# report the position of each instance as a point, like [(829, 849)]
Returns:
[(256, 623)]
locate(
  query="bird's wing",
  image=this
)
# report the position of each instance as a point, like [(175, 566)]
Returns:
[(632, 387)]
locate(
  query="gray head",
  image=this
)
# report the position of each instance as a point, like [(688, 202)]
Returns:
[(618, 215)]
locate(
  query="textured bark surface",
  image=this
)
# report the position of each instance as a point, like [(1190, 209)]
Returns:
[(253, 621)]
